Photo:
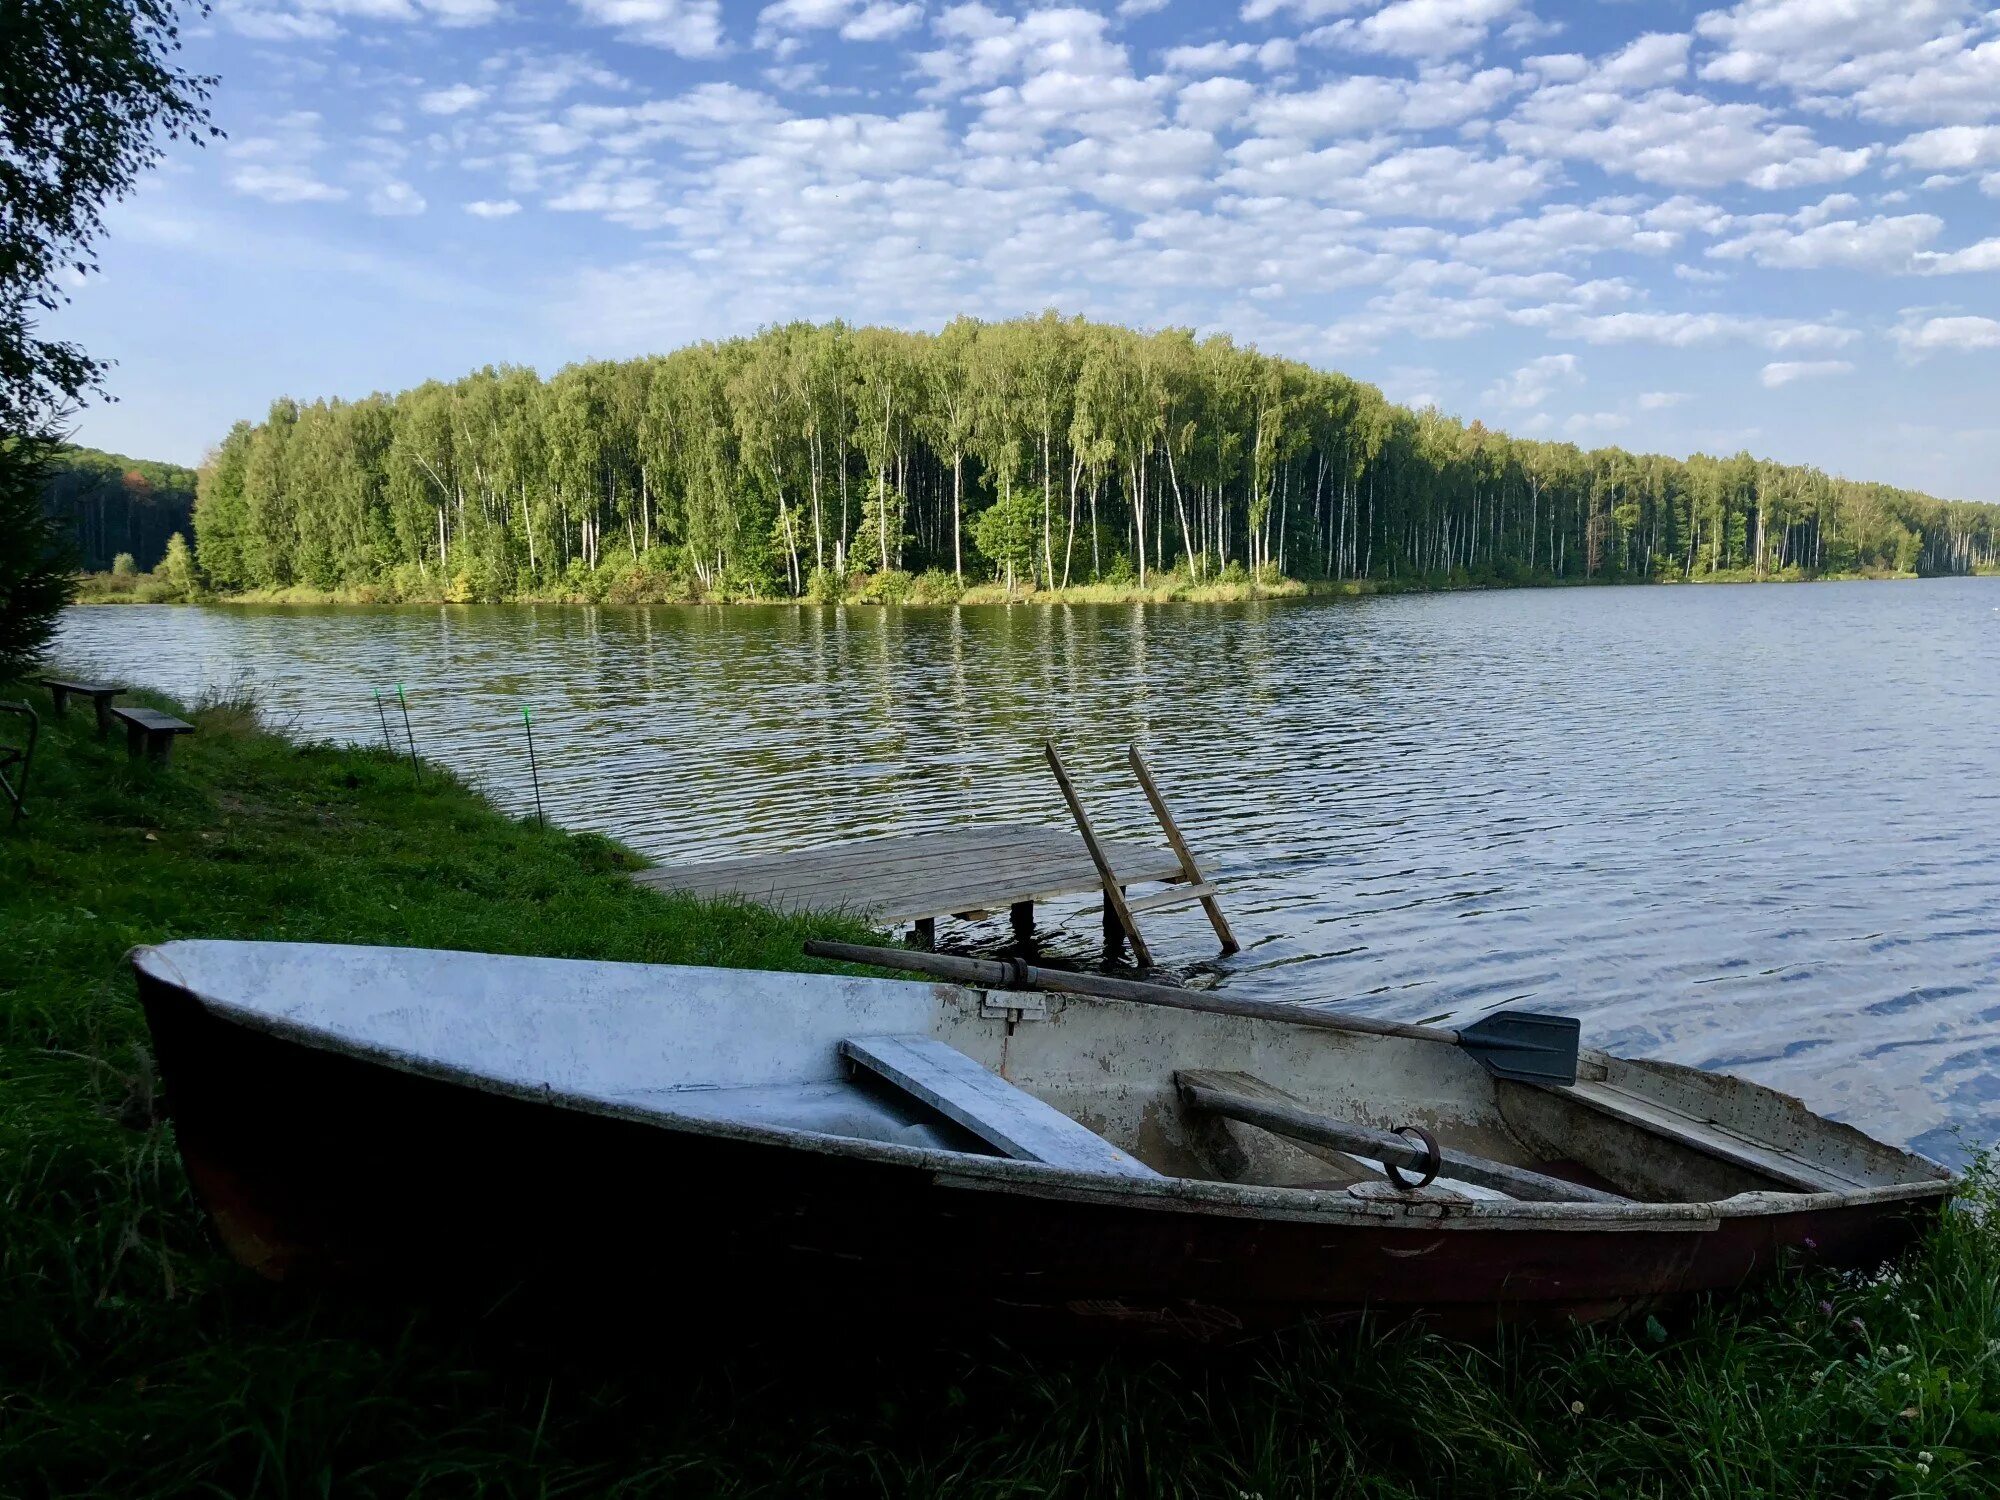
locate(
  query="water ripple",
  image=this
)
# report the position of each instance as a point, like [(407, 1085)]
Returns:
[(1749, 827)]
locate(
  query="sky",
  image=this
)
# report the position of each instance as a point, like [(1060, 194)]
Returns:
[(1669, 226)]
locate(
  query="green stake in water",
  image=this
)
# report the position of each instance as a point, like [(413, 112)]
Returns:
[(534, 774), (415, 769), (382, 710)]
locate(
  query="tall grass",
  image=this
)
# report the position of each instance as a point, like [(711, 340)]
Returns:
[(135, 1361)]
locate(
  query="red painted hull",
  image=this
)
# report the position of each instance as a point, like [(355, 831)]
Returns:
[(316, 1164)]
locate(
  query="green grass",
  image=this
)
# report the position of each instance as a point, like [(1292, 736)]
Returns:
[(135, 1360)]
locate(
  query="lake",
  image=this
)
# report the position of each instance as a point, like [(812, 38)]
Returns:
[(1754, 828)]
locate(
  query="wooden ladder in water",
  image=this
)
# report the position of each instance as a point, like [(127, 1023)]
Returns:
[(1121, 911)]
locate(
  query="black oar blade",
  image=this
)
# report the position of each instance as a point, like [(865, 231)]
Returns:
[(1525, 1045)]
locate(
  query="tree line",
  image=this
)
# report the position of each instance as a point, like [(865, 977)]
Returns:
[(1038, 452), (108, 505)]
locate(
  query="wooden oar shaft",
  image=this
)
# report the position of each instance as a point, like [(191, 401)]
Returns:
[(1301, 1124), (994, 973)]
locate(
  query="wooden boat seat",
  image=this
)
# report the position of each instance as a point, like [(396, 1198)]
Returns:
[(1713, 1139), (1011, 1120)]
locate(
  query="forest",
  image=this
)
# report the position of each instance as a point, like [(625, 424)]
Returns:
[(110, 504), (816, 460)]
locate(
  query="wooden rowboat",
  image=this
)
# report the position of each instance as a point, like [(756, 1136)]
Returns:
[(694, 1140)]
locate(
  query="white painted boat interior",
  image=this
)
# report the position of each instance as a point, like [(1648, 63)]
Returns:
[(763, 1051)]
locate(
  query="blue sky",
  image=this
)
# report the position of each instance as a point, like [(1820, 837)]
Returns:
[(1672, 226)]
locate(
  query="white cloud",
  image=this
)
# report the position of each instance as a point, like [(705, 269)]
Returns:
[(462, 12), (1590, 424), (1533, 384), (1422, 182), (1226, 57), (855, 20), (1950, 80), (691, 28), (1951, 148), (1892, 60), (1676, 139), (1983, 256), (1436, 98), (1879, 244), (1686, 330), (283, 185), (1214, 103), (1560, 233), (983, 47), (1298, 10), (492, 208), (1784, 372), (1660, 400), (1421, 28), (1919, 335), (319, 20), (450, 101), (1824, 210), (395, 200), (1652, 61)]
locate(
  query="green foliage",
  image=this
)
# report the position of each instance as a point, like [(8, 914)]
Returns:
[(124, 565), (112, 505), (748, 468), (177, 570), (1007, 531), (86, 86), (36, 564)]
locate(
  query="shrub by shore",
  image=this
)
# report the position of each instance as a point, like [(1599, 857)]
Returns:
[(905, 589), (139, 1362)]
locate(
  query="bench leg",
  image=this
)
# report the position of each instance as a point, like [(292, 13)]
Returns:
[(135, 741), (103, 707), (59, 700), (159, 748)]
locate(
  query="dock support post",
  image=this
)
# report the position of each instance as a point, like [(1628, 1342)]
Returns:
[(1022, 915), (1114, 931), (923, 935), (1114, 892)]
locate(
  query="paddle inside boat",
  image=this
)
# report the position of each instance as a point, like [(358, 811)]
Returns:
[(701, 1138)]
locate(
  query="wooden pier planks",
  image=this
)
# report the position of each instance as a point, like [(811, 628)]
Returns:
[(918, 877)]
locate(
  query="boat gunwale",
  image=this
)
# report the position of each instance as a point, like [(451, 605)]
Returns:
[(971, 1171)]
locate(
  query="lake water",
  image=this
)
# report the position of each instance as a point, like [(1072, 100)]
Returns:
[(1755, 828)]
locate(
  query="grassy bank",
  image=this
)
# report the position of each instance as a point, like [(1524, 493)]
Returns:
[(1235, 587), (135, 1361), (862, 588)]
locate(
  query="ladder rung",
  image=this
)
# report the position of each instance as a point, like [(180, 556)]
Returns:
[(1173, 895)]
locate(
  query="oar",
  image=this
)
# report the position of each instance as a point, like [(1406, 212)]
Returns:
[(1523, 1045)]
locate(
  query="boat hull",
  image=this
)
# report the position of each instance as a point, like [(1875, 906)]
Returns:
[(318, 1164)]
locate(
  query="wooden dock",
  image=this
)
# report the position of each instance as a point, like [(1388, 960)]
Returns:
[(974, 872), (956, 872)]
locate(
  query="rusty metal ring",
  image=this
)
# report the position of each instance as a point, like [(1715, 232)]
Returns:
[(1433, 1159)]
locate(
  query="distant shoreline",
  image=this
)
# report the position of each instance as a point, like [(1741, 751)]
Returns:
[(917, 592)]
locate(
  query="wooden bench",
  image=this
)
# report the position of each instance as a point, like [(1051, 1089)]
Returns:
[(1012, 1121), (150, 732), (100, 695)]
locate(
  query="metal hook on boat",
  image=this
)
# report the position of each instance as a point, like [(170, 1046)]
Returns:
[(1433, 1159)]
